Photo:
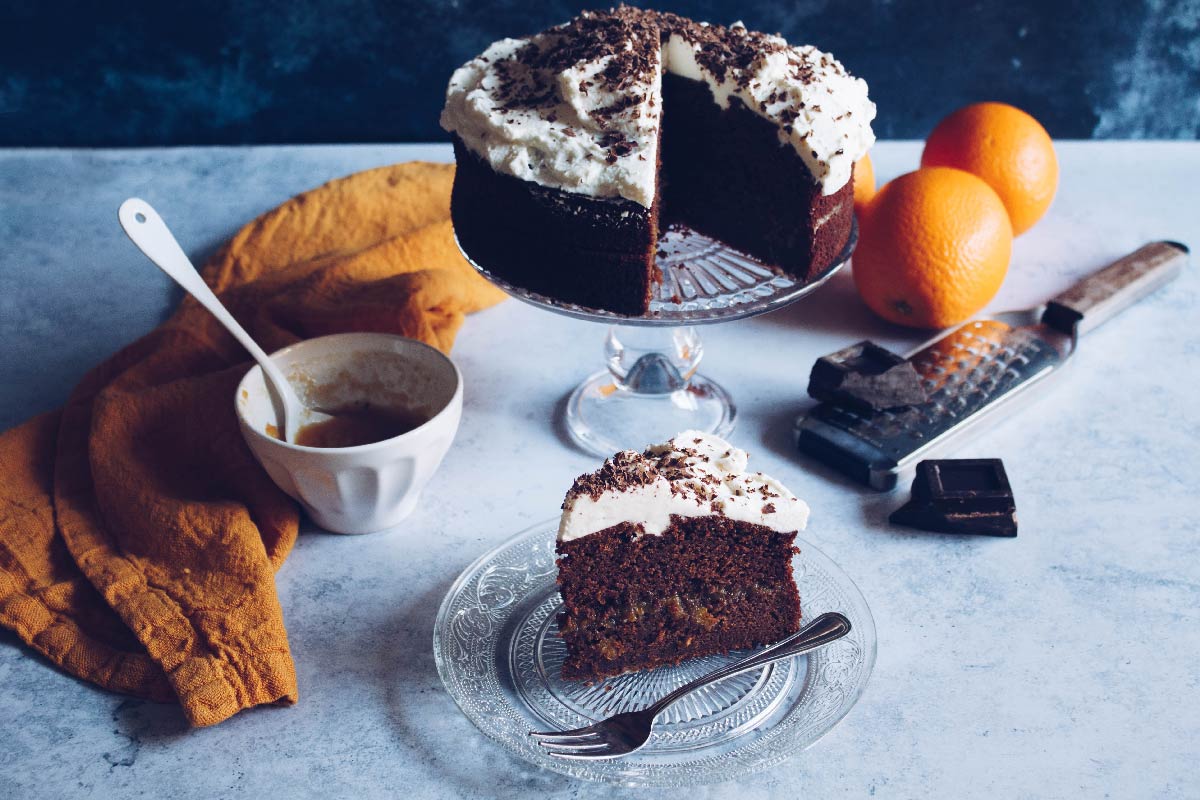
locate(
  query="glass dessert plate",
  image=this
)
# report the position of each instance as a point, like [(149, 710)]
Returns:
[(650, 390), (497, 651)]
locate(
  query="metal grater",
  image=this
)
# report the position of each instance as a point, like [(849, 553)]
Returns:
[(979, 368)]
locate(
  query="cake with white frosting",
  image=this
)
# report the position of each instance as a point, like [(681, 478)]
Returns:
[(578, 145), (673, 553)]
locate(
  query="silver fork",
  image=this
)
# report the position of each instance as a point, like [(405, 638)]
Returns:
[(621, 734)]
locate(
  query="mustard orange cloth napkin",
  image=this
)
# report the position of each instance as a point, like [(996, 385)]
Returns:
[(138, 536)]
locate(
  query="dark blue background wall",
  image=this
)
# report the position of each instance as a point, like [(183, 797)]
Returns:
[(238, 71)]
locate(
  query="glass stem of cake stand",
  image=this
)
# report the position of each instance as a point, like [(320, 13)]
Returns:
[(653, 361), (649, 392)]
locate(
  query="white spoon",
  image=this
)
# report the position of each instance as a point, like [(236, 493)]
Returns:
[(148, 231)]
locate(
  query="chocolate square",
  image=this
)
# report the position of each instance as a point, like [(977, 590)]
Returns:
[(965, 495), (866, 377)]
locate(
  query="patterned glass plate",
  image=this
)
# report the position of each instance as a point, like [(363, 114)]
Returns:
[(498, 653), (704, 281)]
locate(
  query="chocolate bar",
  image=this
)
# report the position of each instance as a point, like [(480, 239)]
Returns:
[(963, 495), (866, 377)]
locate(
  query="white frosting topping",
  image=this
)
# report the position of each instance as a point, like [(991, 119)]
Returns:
[(693, 475), (821, 110), (565, 141), (564, 145)]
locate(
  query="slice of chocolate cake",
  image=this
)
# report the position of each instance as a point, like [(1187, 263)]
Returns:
[(577, 145), (674, 553)]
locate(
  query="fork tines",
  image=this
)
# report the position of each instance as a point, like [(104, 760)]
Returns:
[(580, 743)]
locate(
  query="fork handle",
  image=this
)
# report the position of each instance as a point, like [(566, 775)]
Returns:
[(824, 629)]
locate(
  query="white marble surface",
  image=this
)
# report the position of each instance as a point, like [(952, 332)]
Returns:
[(1059, 664)]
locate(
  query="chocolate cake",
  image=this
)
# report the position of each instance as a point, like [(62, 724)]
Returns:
[(674, 553), (578, 145)]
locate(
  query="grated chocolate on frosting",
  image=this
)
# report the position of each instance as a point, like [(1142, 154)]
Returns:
[(695, 474), (577, 107)]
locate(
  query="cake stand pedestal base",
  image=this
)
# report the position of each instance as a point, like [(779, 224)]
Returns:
[(649, 393)]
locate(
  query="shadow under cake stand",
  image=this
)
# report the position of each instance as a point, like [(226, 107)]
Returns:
[(649, 390)]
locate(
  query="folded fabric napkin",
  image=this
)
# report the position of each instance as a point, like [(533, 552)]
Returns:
[(138, 536)]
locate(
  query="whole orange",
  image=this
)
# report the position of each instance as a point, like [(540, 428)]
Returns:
[(864, 183), (1007, 148), (934, 249)]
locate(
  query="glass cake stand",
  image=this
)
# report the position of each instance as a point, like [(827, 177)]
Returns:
[(649, 390)]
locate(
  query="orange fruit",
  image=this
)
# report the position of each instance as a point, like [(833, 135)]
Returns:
[(934, 249), (864, 183), (1007, 148)]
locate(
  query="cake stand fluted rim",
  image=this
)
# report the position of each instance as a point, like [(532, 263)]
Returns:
[(768, 294)]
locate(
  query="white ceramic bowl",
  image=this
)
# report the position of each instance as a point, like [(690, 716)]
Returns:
[(372, 486)]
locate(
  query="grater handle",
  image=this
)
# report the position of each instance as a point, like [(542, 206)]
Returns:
[(1106, 293)]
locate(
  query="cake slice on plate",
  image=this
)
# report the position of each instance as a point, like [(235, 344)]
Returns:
[(674, 553)]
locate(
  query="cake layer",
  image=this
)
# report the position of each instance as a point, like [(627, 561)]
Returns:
[(815, 107), (725, 175), (704, 585), (580, 249)]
